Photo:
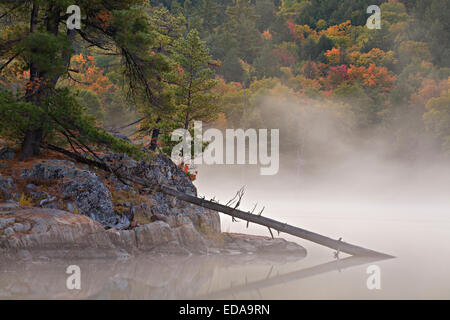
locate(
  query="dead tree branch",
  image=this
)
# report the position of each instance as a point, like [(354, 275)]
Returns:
[(338, 245)]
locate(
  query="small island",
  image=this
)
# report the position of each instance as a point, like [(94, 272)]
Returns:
[(57, 208)]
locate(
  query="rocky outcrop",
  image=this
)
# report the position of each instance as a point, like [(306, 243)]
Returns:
[(78, 189), (234, 243), (81, 189), (64, 209), (160, 170), (53, 233)]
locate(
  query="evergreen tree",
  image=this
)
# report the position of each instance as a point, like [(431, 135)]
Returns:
[(38, 42), (242, 26), (209, 11), (192, 81)]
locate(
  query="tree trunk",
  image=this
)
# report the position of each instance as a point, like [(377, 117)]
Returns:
[(31, 145), (155, 136), (33, 137), (338, 245), (186, 121)]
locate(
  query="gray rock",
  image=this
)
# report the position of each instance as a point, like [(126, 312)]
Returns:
[(39, 195), (52, 169), (8, 231), (89, 194), (7, 153), (249, 244), (160, 170), (58, 234), (31, 187), (19, 227), (91, 197), (8, 207), (70, 207), (4, 222), (122, 222), (40, 227), (47, 201), (6, 185), (127, 204)]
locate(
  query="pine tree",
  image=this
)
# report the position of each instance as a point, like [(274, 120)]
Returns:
[(38, 42), (243, 28), (209, 12), (192, 81)]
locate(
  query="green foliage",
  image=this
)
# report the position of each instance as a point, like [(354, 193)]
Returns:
[(242, 26), (62, 118), (193, 80), (92, 103), (333, 11), (266, 65), (232, 69), (158, 66), (13, 122), (436, 27), (363, 107), (437, 118), (190, 83), (47, 51)]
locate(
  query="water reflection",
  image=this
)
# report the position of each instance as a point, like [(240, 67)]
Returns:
[(335, 265), (170, 277)]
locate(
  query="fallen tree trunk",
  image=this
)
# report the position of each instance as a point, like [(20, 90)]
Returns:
[(339, 246)]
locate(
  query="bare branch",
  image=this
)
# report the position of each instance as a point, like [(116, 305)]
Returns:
[(270, 230), (9, 61), (260, 213), (12, 9)]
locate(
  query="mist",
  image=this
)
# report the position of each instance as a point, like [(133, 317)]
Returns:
[(350, 184)]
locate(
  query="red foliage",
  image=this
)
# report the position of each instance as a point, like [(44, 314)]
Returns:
[(291, 26), (336, 75), (310, 70), (90, 76), (373, 76), (186, 169), (429, 89), (379, 77), (284, 57)]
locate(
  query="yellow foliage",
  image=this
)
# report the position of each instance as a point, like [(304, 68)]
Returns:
[(305, 31), (333, 56), (338, 30), (25, 201)]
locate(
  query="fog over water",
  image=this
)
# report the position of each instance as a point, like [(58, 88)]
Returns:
[(389, 206), (397, 207), (362, 192)]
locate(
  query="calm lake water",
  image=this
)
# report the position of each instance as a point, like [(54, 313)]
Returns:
[(396, 208), (404, 212)]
